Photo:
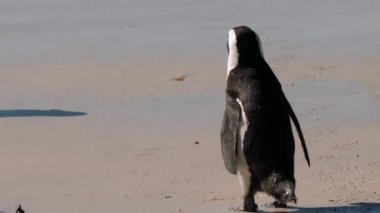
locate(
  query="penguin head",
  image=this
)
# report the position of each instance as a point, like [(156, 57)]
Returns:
[(244, 47)]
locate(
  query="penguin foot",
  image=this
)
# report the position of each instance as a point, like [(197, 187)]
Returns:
[(250, 206), (279, 204), (289, 197)]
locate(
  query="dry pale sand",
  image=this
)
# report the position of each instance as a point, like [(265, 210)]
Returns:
[(123, 136), (134, 150)]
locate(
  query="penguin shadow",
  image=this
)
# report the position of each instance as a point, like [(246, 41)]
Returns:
[(38, 113), (351, 208)]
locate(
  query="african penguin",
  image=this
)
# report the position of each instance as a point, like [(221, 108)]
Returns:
[(256, 136)]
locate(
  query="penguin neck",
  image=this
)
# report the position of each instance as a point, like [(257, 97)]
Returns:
[(255, 61), (233, 59), (232, 62), (252, 62)]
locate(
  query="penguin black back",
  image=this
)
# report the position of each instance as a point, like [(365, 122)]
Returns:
[(250, 54)]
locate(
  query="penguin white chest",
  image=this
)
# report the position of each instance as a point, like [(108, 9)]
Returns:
[(242, 166)]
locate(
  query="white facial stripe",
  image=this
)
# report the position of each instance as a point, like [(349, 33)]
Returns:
[(233, 54), (243, 169)]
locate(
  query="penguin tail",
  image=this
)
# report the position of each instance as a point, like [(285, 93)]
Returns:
[(299, 131), (298, 128)]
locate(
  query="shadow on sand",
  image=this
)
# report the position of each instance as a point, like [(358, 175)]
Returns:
[(361, 207), (38, 112)]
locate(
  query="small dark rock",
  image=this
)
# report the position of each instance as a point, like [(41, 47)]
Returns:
[(180, 78), (19, 209)]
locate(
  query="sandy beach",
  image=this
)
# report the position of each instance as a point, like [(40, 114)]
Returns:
[(91, 119)]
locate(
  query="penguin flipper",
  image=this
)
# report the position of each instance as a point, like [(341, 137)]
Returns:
[(229, 132), (298, 128)]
